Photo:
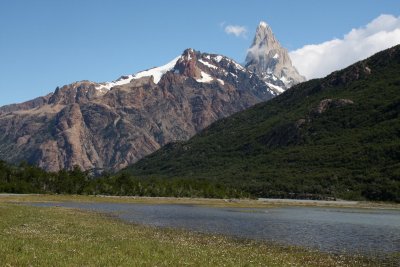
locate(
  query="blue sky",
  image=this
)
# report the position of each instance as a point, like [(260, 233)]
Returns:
[(49, 43)]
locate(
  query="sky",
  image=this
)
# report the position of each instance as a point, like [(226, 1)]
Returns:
[(49, 43)]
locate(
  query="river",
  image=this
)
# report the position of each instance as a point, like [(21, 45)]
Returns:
[(373, 232)]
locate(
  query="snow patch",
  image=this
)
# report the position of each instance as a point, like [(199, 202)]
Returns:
[(276, 56), (205, 78), (238, 66), (121, 81), (218, 58), (263, 24), (233, 74), (285, 80), (277, 88), (157, 73), (221, 81), (208, 64)]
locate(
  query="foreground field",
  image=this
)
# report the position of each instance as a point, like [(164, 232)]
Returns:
[(32, 236)]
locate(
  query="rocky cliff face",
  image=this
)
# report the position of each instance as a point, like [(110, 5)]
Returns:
[(110, 125), (270, 60)]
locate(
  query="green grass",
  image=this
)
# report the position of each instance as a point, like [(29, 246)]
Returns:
[(33, 236)]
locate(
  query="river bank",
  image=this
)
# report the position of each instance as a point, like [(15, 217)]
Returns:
[(249, 203), (38, 236)]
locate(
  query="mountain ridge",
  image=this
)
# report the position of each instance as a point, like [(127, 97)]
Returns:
[(109, 125), (338, 136)]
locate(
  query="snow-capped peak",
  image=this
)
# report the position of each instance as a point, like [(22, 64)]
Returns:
[(157, 73), (263, 24), (218, 59), (266, 56)]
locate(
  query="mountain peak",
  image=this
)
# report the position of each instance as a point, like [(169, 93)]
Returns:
[(263, 24), (265, 36), (267, 57)]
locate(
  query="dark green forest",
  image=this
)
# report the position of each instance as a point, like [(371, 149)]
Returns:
[(25, 178)]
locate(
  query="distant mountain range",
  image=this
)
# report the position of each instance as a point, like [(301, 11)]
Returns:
[(332, 137), (204, 125), (107, 126)]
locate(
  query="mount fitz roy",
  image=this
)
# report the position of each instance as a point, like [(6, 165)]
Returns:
[(108, 126), (270, 60)]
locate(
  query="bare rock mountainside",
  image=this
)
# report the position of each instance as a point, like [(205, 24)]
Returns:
[(100, 126), (270, 60)]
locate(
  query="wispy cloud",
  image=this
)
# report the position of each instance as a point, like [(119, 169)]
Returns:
[(318, 60), (238, 31)]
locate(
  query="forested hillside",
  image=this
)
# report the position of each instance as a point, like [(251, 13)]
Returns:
[(334, 137)]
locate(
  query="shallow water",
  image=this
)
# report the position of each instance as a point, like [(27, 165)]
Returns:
[(339, 230)]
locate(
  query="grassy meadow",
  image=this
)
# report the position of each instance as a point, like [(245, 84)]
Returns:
[(35, 236)]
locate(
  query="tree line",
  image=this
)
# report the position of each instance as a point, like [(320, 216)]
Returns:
[(25, 178)]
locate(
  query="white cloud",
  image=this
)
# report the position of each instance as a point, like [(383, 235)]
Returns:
[(236, 30), (318, 60)]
